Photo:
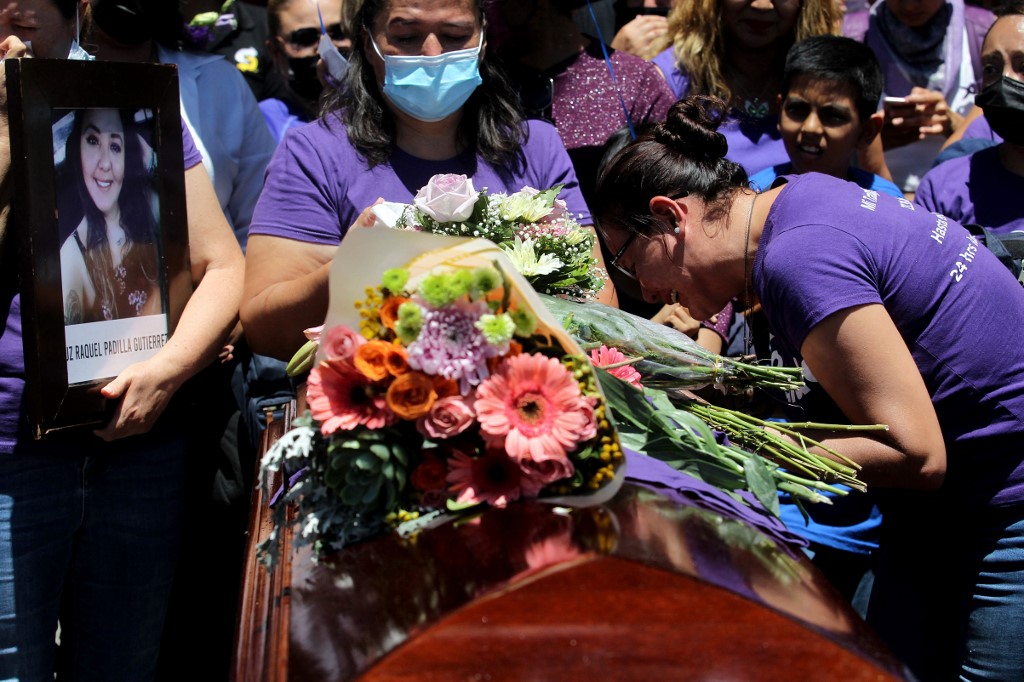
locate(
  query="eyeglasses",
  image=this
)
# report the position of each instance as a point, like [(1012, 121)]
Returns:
[(614, 261), (308, 37)]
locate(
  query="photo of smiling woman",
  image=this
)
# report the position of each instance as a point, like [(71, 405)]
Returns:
[(109, 261)]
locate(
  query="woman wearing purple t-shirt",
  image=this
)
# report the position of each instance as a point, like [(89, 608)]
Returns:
[(871, 296), (420, 99)]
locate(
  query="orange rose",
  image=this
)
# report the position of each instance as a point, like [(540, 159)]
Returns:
[(389, 311), (430, 474), (514, 348), (397, 360), (371, 360), (444, 387), (411, 395)]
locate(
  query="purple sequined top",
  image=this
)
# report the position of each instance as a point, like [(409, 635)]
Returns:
[(587, 111)]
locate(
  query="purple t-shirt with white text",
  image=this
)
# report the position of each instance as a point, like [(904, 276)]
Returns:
[(975, 188), (318, 184), (829, 245), (12, 358)]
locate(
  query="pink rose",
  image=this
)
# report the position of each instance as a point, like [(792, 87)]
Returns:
[(448, 417), (558, 211), (338, 346), (447, 198)]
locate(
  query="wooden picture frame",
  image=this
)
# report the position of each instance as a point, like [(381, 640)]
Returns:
[(102, 233)]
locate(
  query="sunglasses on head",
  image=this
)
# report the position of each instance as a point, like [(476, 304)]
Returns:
[(308, 37)]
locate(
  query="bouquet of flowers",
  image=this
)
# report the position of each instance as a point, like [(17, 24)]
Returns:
[(727, 449), (445, 384), (667, 359), (542, 240)]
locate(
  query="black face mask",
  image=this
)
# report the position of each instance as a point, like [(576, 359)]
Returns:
[(127, 22), (302, 77), (1003, 104)]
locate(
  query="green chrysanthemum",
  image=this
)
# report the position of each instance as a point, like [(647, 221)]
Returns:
[(525, 322), (394, 280), (461, 282), (497, 329), (486, 280), (410, 322), (439, 290)]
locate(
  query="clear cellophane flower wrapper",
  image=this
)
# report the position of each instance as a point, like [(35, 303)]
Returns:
[(667, 359), (407, 423)]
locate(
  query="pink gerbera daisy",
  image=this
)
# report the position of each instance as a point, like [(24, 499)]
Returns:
[(493, 478), (533, 407), (605, 356), (343, 400)]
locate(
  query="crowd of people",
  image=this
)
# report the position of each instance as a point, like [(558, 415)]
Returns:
[(785, 178)]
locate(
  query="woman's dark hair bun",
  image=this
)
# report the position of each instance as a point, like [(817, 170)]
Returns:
[(691, 128)]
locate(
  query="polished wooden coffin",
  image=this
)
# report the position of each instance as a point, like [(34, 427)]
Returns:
[(641, 588)]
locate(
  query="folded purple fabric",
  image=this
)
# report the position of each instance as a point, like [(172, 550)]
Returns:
[(683, 488)]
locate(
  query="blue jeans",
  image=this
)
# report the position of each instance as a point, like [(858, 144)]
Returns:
[(993, 614), (948, 596), (89, 535)]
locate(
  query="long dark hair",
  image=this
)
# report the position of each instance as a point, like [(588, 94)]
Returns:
[(492, 122), (686, 153), (139, 253)]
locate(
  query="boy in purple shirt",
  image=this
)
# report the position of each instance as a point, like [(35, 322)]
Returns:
[(828, 110)]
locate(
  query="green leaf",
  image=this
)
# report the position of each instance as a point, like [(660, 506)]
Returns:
[(382, 451), (634, 440), (626, 403), (372, 491), (334, 477), (761, 483), (666, 449), (365, 461), (338, 461), (700, 434), (351, 495), (548, 196), (398, 452)]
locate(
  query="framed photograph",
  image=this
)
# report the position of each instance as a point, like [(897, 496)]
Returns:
[(99, 210)]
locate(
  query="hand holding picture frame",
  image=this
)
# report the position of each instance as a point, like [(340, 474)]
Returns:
[(99, 213)]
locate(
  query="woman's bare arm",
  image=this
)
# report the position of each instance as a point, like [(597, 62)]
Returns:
[(862, 362), (285, 292), (145, 388)]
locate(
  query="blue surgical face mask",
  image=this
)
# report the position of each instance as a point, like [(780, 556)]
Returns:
[(337, 64), (78, 54), (431, 88)]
